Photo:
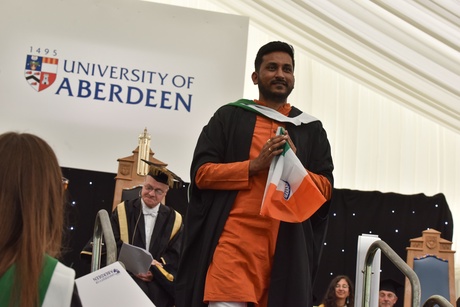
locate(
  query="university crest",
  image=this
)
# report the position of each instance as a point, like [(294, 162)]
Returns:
[(40, 72)]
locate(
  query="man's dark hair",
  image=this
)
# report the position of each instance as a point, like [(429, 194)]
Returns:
[(273, 47)]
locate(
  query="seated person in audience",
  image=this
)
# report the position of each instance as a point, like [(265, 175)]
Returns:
[(387, 293), (31, 225), (340, 293), (154, 227)]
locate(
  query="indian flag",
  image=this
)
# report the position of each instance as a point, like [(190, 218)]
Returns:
[(290, 194)]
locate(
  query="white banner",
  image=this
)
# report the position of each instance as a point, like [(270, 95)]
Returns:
[(89, 76)]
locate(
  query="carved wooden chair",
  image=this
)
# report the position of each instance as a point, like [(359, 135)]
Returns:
[(432, 259)]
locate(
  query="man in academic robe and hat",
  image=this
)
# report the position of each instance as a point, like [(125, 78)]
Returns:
[(147, 223), (387, 293)]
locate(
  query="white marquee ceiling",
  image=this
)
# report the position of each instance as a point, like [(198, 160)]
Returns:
[(408, 50)]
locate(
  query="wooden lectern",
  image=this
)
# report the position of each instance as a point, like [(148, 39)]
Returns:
[(128, 168)]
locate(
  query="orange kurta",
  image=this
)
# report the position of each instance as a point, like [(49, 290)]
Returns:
[(241, 264)]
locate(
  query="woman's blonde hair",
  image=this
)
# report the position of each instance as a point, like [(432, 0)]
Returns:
[(32, 211)]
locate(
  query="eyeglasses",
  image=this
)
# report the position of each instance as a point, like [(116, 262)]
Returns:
[(388, 295), (344, 286), (149, 189)]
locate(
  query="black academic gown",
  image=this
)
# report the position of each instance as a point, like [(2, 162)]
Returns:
[(160, 245), (227, 138)]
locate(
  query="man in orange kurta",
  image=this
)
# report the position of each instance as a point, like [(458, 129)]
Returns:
[(232, 255)]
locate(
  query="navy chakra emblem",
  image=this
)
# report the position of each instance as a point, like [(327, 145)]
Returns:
[(40, 72), (287, 190)]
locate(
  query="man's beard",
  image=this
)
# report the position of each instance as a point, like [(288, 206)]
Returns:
[(274, 96)]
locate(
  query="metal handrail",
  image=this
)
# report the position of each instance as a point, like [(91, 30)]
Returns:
[(437, 300), (103, 227), (398, 262)]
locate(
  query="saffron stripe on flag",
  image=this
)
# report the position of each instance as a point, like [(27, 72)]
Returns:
[(290, 193)]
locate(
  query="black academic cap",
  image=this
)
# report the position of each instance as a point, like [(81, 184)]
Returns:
[(161, 174), (390, 285)]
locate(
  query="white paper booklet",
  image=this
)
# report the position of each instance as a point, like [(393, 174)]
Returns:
[(135, 259), (111, 286)]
